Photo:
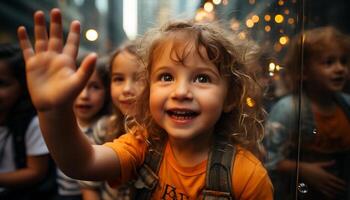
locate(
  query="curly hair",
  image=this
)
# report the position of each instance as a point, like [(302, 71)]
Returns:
[(243, 127)]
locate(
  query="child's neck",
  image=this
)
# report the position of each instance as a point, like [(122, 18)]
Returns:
[(190, 152), (85, 124), (3, 118), (322, 103)]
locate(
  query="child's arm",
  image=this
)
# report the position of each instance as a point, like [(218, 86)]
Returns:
[(35, 171), (54, 83), (316, 175), (90, 194)]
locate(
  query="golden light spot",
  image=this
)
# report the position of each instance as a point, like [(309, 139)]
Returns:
[(235, 25), (250, 102), (291, 21), (278, 68), (255, 18), (91, 35), (272, 67), (251, 2), (283, 40), (267, 28), (216, 2), (242, 35), (279, 18), (267, 18), (249, 23), (202, 15), (208, 6), (280, 2)]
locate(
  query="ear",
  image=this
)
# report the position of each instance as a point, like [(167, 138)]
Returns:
[(230, 103)]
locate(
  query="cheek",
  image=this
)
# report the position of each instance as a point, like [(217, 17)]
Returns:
[(155, 102), (10, 95), (213, 101), (100, 98), (139, 87), (115, 92)]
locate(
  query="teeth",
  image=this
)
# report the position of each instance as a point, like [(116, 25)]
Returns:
[(182, 112), (183, 117)]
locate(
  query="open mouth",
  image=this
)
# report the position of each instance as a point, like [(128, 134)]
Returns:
[(338, 80), (83, 107), (182, 114), (128, 102)]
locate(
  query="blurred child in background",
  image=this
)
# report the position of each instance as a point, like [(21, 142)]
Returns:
[(125, 86), (316, 77), (24, 157)]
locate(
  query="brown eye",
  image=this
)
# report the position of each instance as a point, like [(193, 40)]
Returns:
[(202, 78), (166, 77), (117, 79)]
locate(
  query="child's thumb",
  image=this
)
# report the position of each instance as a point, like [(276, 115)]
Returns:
[(87, 67)]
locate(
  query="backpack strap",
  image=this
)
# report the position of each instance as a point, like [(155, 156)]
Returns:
[(218, 176), (148, 173), (18, 130)]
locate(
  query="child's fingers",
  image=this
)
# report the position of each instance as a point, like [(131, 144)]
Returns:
[(40, 32), (87, 67), (72, 44), (24, 42), (56, 33)]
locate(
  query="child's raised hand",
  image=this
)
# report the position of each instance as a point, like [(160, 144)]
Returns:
[(318, 177), (52, 77)]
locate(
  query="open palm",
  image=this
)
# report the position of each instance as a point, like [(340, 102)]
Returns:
[(53, 79)]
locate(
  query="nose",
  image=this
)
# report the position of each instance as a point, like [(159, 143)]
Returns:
[(182, 90), (84, 94), (128, 88)]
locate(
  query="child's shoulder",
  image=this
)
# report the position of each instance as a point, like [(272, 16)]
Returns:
[(244, 156), (346, 97), (249, 176)]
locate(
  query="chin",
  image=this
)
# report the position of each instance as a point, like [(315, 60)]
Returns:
[(182, 135)]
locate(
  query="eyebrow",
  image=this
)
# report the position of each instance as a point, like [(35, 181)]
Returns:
[(197, 68), (117, 73)]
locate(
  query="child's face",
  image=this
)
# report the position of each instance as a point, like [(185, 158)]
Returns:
[(10, 89), (125, 84), (328, 71), (90, 100), (186, 99)]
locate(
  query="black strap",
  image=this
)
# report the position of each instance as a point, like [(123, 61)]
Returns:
[(18, 129), (148, 173), (218, 176)]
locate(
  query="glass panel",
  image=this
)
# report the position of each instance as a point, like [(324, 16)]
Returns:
[(325, 117)]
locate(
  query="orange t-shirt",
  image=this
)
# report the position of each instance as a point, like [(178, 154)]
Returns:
[(333, 132), (250, 179)]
